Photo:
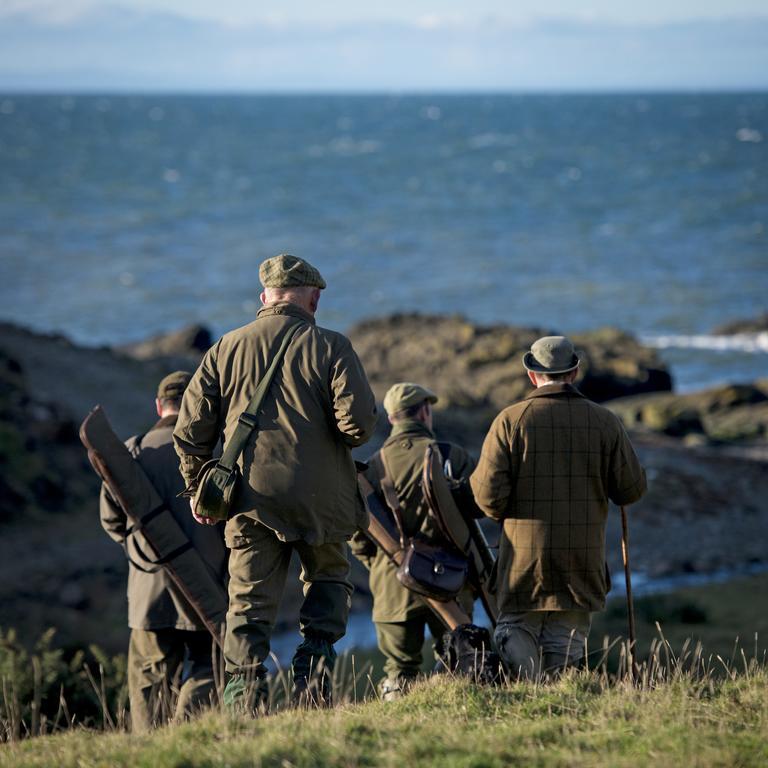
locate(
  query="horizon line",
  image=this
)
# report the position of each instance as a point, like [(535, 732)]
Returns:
[(376, 91)]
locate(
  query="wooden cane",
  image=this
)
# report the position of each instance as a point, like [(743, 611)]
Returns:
[(628, 577)]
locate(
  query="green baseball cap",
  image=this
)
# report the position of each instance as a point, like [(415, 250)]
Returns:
[(286, 271), (405, 394), (173, 385), (551, 354)]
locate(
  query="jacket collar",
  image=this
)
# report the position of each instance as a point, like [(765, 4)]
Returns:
[(285, 308), (166, 421), (411, 427), (551, 390)]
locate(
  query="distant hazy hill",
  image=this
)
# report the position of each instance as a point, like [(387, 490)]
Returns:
[(115, 48)]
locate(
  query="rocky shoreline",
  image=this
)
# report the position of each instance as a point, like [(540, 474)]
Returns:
[(705, 452)]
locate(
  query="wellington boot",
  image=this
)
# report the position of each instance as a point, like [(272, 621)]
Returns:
[(246, 697), (312, 668), (313, 693)]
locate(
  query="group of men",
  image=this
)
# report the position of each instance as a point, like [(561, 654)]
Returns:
[(547, 469)]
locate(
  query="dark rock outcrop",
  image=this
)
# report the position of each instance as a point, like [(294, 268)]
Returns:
[(757, 324), (731, 413), (42, 464), (191, 342)]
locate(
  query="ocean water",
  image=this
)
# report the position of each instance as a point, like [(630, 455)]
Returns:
[(124, 216)]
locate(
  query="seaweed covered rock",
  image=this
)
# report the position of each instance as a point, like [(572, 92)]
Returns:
[(730, 413)]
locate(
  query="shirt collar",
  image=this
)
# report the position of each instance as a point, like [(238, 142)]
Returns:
[(285, 308)]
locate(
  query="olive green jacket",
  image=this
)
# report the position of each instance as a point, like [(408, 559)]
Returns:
[(152, 602), (404, 456), (548, 467), (297, 473)]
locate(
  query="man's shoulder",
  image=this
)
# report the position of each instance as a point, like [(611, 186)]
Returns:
[(512, 413), (262, 327), (333, 338), (606, 417), (236, 335), (157, 437), (599, 415)]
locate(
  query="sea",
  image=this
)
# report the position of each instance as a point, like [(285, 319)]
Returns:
[(123, 216)]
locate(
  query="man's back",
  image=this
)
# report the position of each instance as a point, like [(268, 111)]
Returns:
[(548, 468), (298, 474)]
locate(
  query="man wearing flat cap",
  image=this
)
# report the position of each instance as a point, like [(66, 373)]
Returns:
[(298, 485), (548, 467), (166, 632), (399, 615)]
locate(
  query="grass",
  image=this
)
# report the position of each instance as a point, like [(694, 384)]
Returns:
[(687, 707), (580, 720), (716, 615)]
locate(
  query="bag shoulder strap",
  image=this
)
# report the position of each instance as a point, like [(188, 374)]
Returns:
[(248, 419), (390, 494)]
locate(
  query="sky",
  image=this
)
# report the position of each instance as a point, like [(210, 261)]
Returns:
[(348, 45), (414, 11)]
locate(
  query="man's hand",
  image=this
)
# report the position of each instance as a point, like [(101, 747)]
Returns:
[(198, 518)]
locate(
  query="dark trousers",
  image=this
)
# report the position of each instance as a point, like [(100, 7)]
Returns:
[(401, 642), (157, 690), (258, 566)]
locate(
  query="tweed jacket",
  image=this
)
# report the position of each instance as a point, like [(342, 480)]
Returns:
[(153, 602), (548, 467), (297, 473)]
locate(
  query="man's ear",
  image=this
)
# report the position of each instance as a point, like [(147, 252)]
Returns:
[(158, 407), (314, 299), (263, 297), (532, 377)]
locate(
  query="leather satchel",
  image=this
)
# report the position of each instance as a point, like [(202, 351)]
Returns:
[(432, 571), (218, 479), (427, 569)]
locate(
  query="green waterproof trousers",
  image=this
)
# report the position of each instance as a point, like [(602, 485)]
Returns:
[(258, 566), (158, 689), (401, 642)]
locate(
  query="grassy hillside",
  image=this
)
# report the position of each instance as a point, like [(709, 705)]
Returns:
[(579, 721), (709, 708)]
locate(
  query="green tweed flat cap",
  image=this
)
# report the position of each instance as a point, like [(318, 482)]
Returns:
[(173, 385), (405, 394), (551, 354), (286, 271)]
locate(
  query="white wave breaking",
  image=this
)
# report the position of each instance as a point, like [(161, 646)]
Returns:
[(754, 343)]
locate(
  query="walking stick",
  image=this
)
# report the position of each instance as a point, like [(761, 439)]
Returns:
[(628, 577)]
